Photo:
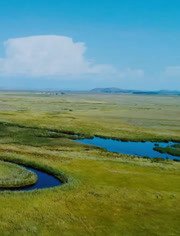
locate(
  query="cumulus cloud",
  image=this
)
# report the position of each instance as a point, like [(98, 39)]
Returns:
[(52, 55), (172, 71), (48, 56)]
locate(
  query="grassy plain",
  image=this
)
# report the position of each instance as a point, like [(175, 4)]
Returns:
[(105, 193), (12, 176), (129, 117)]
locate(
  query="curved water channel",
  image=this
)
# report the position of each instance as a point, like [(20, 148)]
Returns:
[(44, 180), (143, 149)]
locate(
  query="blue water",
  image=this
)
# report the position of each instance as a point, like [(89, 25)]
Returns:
[(44, 180), (130, 148)]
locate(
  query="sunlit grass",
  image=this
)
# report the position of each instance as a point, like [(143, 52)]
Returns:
[(103, 193), (12, 176), (127, 117)]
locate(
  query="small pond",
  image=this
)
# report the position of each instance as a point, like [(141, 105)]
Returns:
[(130, 148)]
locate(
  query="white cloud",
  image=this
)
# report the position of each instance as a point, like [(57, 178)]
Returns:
[(172, 71), (47, 56), (52, 55)]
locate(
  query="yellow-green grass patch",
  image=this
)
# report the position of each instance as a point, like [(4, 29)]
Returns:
[(13, 176)]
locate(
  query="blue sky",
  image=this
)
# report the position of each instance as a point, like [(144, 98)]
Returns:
[(75, 44)]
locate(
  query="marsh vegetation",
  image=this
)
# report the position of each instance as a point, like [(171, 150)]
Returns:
[(14, 176), (103, 193), (173, 150)]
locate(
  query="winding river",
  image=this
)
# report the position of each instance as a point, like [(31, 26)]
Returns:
[(143, 149), (44, 180)]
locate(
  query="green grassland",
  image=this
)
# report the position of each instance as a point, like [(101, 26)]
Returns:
[(12, 176), (128, 117), (103, 193)]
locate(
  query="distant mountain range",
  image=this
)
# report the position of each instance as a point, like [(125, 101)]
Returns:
[(110, 90), (114, 90)]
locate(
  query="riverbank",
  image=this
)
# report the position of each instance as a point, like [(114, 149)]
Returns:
[(100, 183), (139, 149), (14, 176)]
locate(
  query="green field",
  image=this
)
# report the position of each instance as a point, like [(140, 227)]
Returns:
[(105, 193), (122, 116), (12, 176)]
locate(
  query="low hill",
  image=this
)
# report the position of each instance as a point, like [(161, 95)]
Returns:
[(110, 90), (114, 90)]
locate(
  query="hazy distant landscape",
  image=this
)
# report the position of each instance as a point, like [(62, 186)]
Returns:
[(119, 91)]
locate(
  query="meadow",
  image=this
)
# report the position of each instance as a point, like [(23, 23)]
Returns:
[(103, 193), (121, 116), (12, 176)]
